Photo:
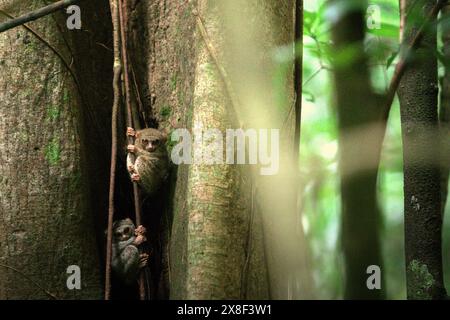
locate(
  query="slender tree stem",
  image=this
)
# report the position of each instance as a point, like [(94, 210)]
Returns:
[(222, 72), (402, 64), (298, 76), (114, 4), (401, 4), (137, 202)]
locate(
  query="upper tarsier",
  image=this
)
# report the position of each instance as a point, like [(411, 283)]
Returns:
[(150, 168)]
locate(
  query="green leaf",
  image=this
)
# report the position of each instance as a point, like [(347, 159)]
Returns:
[(308, 20), (309, 96), (391, 59)]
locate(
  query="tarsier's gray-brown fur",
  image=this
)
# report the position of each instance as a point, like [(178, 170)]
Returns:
[(150, 168), (126, 260)]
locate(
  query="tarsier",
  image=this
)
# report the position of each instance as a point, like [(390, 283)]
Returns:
[(151, 163), (126, 259)]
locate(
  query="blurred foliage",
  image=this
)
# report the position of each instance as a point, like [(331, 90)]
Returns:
[(320, 205)]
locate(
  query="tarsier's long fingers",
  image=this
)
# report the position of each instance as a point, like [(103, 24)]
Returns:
[(135, 177), (144, 256), (143, 260), (140, 235), (131, 148), (139, 240), (140, 231), (131, 132)]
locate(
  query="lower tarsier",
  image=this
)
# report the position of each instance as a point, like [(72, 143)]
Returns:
[(147, 164), (126, 259)]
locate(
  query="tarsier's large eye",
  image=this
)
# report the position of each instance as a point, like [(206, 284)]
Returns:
[(126, 230), (144, 142), (156, 142)]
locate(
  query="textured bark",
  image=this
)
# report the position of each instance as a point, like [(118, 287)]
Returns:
[(46, 221), (360, 138), (216, 214), (165, 74), (212, 243), (422, 193)]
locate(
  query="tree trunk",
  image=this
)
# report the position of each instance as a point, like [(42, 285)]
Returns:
[(46, 221), (203, 233), (208, 242), (444, 114), (213, 245), (418, 92), (360, 138)]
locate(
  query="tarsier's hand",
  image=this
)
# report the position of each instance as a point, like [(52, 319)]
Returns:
[(143, 260), (131, 148), (139, 232), (131, 132), (135, 177)]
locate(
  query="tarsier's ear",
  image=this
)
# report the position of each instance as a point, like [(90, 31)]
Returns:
[(128, 221), (164, 137), (138, 134), (164, 134)]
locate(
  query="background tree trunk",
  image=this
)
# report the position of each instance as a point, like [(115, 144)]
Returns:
[(360, 138), (444, 114), (418, 92), (46, 213)]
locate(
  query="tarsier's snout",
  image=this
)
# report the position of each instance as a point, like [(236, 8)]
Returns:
[(150, 147)]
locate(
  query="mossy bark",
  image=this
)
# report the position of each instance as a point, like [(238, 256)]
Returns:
[(418, 92), (46, 216)]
